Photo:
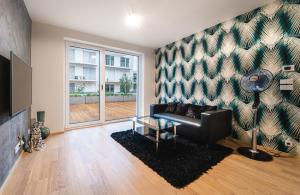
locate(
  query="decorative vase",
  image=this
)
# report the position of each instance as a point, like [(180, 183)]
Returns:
[(40, 116), (45, 131)]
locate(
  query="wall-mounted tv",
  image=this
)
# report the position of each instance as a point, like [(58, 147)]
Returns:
[(20, 85), (4, 89)]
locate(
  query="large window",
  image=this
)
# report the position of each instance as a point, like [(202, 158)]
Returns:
[(84, 81), (96, 91), (121, 86), (109, 60), (109, 88), (124, 62)]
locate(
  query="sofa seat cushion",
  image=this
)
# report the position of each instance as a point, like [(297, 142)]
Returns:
[(179, 118)]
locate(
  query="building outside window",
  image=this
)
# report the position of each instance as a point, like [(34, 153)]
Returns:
[(89, 73), (89, 57), (72, 87), (134, 77), (134, 88), (109, 88), (124, 62), (83, 69), (72, 54), (72, 72), (109, 60)]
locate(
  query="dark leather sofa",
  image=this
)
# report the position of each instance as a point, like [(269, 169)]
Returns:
[(209, 127)]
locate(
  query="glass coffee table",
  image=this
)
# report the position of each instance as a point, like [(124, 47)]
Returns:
[(154, 128)]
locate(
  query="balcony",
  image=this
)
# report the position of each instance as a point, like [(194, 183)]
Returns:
[(83, 63), (117, 67), (81, 79)]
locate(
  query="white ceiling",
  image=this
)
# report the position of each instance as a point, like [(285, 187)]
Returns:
[(163, 21)]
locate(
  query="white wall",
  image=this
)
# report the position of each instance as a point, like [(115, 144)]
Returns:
[(48, 65)]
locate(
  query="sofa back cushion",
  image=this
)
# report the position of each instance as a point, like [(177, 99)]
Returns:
[(197, 109), (194, 111), (171, 108), (181, 109), (209, 108), (190, 112)]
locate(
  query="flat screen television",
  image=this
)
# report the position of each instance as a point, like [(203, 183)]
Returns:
[(20, 85), (4, 89)]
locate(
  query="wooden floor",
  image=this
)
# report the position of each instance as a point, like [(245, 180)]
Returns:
[(113, 110), (88, 161)]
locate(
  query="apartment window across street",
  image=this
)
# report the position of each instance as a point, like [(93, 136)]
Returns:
[(109, 60), (72, 87), (89, 56), (134, 88), (89, 73), (124, 62), (72, 54), (72, 72), (109, 88)]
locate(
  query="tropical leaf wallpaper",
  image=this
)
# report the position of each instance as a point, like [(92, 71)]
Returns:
[(206, 68)]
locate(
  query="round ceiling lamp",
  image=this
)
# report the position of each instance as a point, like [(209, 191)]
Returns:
[(134, 20)]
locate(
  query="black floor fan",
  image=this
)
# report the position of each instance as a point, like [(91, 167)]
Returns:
[(256, 82)]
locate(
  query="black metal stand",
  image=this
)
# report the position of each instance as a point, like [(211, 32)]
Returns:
[(252, 152), (255, 155)]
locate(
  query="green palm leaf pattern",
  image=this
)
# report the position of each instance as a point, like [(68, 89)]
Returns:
[(206, 68)]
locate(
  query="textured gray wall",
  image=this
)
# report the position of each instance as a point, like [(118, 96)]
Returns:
[(15, 35)]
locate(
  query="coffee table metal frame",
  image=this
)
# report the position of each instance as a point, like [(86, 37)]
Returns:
[(154, 123)]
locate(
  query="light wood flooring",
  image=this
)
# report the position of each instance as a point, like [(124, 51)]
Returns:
[(113, 111), (88, 161)]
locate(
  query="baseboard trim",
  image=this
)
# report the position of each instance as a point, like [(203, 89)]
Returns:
[(264, 148), (96, 124)]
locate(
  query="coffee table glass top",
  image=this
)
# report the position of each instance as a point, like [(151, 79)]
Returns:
[(156, 123)]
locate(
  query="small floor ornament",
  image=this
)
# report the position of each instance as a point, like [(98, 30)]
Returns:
[(26, 145), (36, 137)]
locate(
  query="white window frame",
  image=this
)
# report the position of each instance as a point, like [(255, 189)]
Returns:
[(102, 48), (110, 60)]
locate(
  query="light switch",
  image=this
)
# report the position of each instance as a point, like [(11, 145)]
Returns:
[(286, 87), (286, 81)]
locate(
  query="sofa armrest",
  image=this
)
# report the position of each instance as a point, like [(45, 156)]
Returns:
[(157, 108), (217, 123)]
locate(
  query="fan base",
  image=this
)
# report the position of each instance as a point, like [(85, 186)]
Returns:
[(255, 155)]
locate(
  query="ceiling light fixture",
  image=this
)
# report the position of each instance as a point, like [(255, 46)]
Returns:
[(133, 20)]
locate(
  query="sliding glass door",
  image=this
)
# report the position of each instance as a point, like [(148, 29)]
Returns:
[(101, 85), (83, 84), (121, 81)]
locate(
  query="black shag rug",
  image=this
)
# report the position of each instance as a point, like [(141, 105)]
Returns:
[(179, 163)]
